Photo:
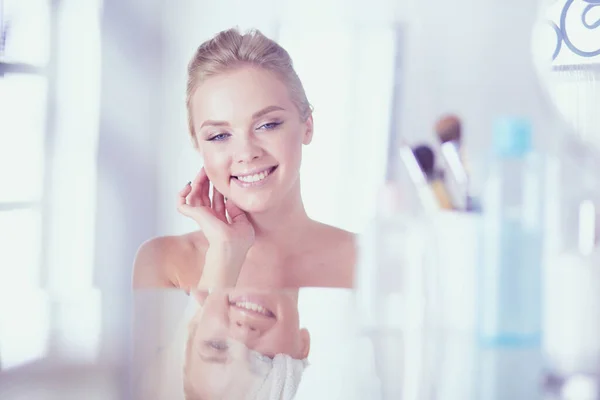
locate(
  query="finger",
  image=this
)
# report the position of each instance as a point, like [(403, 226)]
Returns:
[(183, 193), (199, 295), (236, 214), (196, 198), (218, 204), (205, 188), (198, 176)]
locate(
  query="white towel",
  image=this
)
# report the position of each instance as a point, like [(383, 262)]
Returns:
[(282, 380)]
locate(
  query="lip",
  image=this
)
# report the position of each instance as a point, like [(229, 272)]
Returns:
[(255, 171), (254, 184), (262, 300)]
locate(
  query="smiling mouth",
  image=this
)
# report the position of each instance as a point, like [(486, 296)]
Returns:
[(255, 178), (252, 307)]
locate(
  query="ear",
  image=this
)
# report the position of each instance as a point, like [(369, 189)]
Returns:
[(304, 343), (308, 133)]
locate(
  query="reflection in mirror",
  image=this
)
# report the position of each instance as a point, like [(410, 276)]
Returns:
[(245, 342), (239, 344)]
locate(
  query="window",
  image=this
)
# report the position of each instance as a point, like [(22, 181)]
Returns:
[(24, 43), (49, 119), (24, 58)]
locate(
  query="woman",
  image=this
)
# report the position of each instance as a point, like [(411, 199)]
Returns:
[(249, 118)]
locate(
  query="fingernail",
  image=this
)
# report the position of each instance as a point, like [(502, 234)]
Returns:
[(189, 183)]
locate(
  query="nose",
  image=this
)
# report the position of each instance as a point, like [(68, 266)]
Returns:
[(247, 150), (243, 329)]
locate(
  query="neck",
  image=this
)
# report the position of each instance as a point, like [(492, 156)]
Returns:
[(283, 222)]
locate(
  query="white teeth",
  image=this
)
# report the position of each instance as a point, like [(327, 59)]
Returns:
[(255, 178), (251, 306)]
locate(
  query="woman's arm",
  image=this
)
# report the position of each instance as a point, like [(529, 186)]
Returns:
[(151, 267), (221, 268)]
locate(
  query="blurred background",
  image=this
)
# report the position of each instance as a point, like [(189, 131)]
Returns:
[(94, 143)]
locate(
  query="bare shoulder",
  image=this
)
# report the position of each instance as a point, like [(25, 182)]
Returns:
[(169, 261), (340, 237), (336, 259)]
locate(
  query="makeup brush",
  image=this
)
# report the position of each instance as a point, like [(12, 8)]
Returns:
[(449, 129), (418, 179), (449, 132), (426, 160)]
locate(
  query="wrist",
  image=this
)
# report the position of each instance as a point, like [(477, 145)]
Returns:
[(222, 266), (226, 255)]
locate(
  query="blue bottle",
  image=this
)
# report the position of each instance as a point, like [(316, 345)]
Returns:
[(510, 274)]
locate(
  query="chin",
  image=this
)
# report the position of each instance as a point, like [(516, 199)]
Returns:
[(254, 205)]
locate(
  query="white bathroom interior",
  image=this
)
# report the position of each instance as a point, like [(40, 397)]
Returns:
[(94, 148)]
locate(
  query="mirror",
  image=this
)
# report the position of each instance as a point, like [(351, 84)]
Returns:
[(567, 39)]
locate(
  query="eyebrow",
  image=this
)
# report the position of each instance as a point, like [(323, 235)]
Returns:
[(214, 360), (256, 115)]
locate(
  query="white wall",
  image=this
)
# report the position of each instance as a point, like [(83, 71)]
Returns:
[(130, 120)]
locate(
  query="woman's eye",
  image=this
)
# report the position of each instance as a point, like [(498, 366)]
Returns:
[(270, 126), (219, 345), (219, 137)]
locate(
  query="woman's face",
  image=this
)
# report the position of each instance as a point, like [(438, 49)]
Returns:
[(232, 329), (250, 135), (266, 322)]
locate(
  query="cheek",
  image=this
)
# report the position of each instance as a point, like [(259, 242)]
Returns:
[(290, 150), (285, 338), (216, 165)]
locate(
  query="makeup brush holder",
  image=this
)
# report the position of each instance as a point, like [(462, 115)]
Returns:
[(456, 238)]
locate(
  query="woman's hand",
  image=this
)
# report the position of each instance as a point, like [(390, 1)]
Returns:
[(228, 238)]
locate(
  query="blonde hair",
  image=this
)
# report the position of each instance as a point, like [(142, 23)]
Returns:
[(231, 49)]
